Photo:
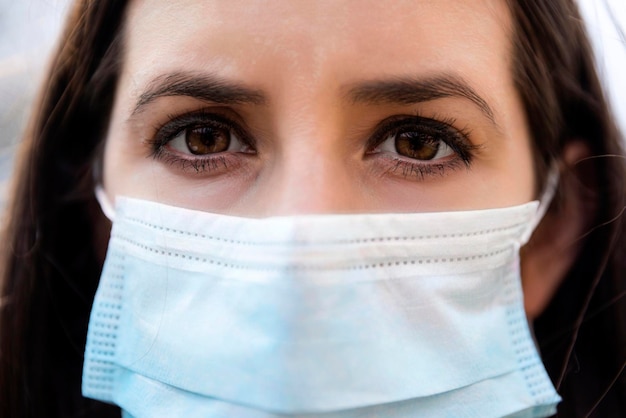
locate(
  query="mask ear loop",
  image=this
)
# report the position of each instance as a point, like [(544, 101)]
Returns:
[(547, 196), (105, 204), (103, 200)]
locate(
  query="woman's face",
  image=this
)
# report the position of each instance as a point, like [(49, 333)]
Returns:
[(260, 108)]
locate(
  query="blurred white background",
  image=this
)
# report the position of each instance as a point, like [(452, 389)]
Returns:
[(606, 24), (28, 32), (29, 28)]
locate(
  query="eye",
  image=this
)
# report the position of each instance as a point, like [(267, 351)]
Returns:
[(418, 144), (204, 141), (419, 148), (201, 134), (421, 139), (207, 139)]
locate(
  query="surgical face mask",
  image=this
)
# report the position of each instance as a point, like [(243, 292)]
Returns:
[(325, 316)]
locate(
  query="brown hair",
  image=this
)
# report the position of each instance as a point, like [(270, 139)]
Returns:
[(51, 269)]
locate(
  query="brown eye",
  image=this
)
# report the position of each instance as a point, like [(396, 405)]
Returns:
[(207, 140), (417, 145)]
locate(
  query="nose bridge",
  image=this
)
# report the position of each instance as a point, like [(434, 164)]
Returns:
[(313, 167), (313, 177)]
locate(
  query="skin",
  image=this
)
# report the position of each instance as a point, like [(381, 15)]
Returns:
[(312, 148)]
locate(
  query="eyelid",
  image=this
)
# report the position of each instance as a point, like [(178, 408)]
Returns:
[(396, 122)]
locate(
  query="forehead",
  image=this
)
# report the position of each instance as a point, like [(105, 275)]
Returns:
[(317, 40)]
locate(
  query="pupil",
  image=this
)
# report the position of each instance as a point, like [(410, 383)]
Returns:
[(207, 140)]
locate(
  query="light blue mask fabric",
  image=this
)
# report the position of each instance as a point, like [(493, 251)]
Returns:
[(321, 316)]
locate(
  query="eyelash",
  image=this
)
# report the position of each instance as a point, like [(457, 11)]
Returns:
[(441, 129)]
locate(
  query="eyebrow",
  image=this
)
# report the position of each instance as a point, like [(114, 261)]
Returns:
[(205, 87), (407, 91), (404, 91)]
